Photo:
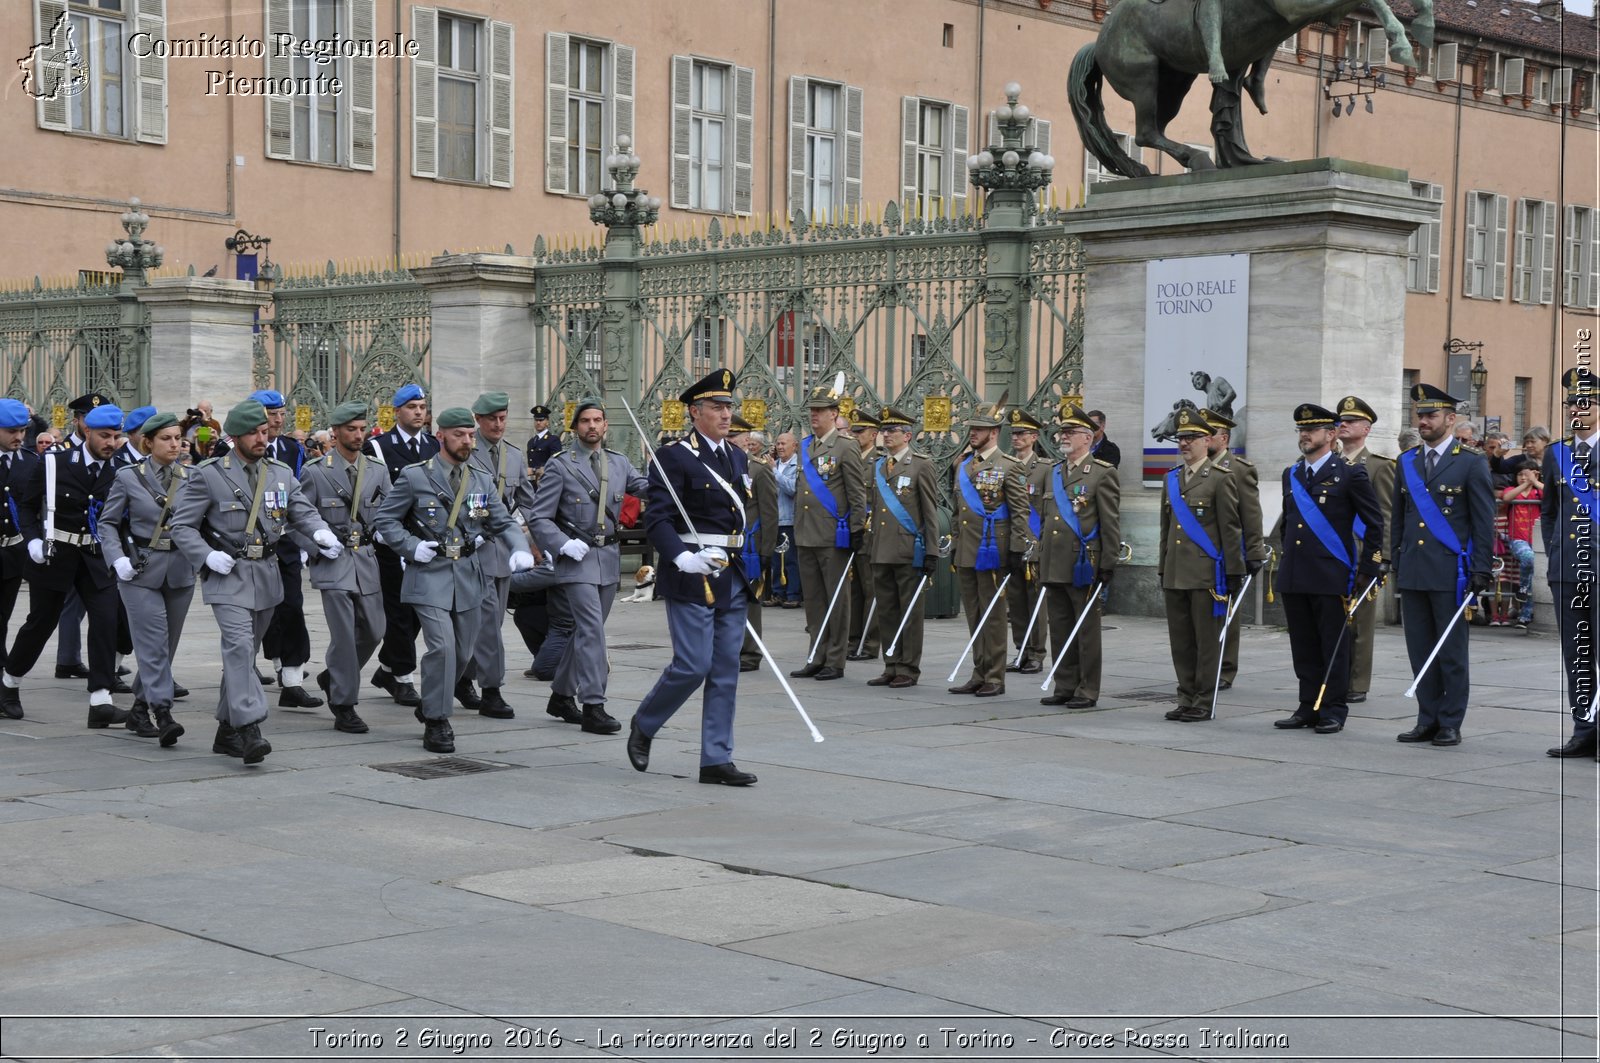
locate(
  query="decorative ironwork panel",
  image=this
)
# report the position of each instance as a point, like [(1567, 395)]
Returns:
[(59, 342)]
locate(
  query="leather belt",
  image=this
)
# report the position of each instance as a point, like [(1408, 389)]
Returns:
[(11, 540), (83, 540), (732, 542), (164, 544)]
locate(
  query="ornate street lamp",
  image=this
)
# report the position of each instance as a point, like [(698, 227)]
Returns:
[(1010, 166), (242, 242), (133, 254), (622, 205)]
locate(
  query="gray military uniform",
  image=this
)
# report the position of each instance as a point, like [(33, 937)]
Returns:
[(572, 503), (211, 513), (446, 592), (509, 472), (352, 596)]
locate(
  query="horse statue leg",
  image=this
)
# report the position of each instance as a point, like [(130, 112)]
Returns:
[(1399, 47), (1227, 124)]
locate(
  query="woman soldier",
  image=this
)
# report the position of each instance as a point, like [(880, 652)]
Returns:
[(155, 581)]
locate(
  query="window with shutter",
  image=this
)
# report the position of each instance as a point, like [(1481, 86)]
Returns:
[(744, 135), (1579, 257), (502, 104), (589, 88), (425, 93), (1484, 262), (1512, 77), (854, 119), (460, 61), (1499, 237), (362, 150), (85, 75), (53, 65), (318, 118), (1446, 60), (702, 95), (150, 75)]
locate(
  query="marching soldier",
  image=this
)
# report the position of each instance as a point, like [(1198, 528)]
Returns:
[(902, 546), (702, 578), (543, 444), (577, 505), (1201, 563), (58, 507), (991, 525), (15, 463), (830, 514), (1441, 545), (1080, 501), (433, 517), (761, 537), (1022, 591), (494, 457), (403, 445), (864, 429), (229, 518), (347, 487), (1325, 497), (1356, 419), (69, 631), (155, 581), (130, 452), (1255, 547), (1567, 520)]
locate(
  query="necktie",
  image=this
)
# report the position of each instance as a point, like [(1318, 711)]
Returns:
[(455, 476), (725, 461), (890, 465), (1305, 472), (1432, 462), (164, 475), (416, 455), (94, 470), (1581, 452), (594, 463)]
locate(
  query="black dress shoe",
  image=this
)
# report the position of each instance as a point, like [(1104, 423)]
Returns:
[(969, 687), (1447, 736), (749, 666), (346, 720), (123, 669), (528, 673), (1174, 713), (106, 715), (438, 736), (494, 706), (1575, 747), (900, 682), (638, 746), (1013, 667), (1031, 667), (805, 673), (170, 730), (825, 674), (1080, 703), (1355, 697), (1293, 723), (227, 742), (254, 747), (11, 703), (324, 681), (1055, 699), (402, 693), (467, 696), (1194, 715), (264, 681), (1417, 734), (1329, 727), (119, 687), (179, 692), (71, 671), (880, 680), (298, 698), (563, 707), (139, 721), (861, 656), (989, 690), (597, 721), (726, 774)]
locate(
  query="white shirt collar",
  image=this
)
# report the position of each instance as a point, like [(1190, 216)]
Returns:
[(1593, 439), (1443, 447), (1315, 467), (404, 438)]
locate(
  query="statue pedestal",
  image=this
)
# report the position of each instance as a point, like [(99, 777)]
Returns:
[(482, 338), (201, 330), (1326, 312)]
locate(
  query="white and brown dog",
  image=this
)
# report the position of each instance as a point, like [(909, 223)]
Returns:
[(643, 580)]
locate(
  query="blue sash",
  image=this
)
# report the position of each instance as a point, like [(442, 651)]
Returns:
[(988, 559), (1193, 529), (1438, 525), (1583, 491), (841, 533), (1312, 514), (898, 511), (752, 556), (1082, 569)]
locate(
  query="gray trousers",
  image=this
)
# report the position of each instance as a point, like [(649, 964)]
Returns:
[(489, 655), (241, 701), (155, 620), (448, 640), (705, 652), (355, 628), (582, 671)]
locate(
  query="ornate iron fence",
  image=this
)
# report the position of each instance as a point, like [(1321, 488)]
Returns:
[(61, 341)]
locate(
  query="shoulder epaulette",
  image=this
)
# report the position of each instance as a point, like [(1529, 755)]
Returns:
[(1469, 448), (1379, 457), (208, 461), (1242, 460), (1103, 463), (919, 454)]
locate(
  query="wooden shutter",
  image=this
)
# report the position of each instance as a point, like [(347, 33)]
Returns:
[(1447, 62), (1511, 77), (797, 144), (622, 94), (280, 116), (994, 130), (910, 108), (51, 113), (1041, 135), (744, 136), (956, 154), (1435, 228), (1475, 224), (502, 103), (1526, 247), (1561, 86), (425, 93), (1591, 267), (150, 75), (363, 125), (1547, 254), (555, 113), (853, 122), (682, 119), (1500, 210)]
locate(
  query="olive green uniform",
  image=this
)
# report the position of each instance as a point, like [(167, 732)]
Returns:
[(1022, 592), (764, 485), (837, 460), (1188, 576), (891, 549), (998, 479), (1255, 548), (1092, 489), (1380, 470)]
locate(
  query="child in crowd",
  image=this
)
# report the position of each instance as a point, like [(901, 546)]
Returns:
[(1522, 517)]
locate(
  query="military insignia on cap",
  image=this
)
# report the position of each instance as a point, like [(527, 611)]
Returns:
[(1349, 403), (1016, 415)]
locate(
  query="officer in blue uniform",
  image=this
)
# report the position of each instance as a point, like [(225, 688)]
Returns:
[(1441, 543), (1323, 494), (543, 444), (1567, 519), (702, 578), (16, 461)]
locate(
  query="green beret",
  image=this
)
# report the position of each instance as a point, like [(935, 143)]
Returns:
[(157, 421), (455, 417), (245, 418), (346, 412), (491, 402)]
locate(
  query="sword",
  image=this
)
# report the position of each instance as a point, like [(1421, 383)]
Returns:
[(1349, 614), (843, 579), (1238, 600), (894, 643), (1033, 618), (1088, 608), (866, 626), (1466, 603), (978, 630)]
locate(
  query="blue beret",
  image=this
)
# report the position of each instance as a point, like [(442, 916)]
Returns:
[(269, 399), (13, 414), (409, 393), (103, 417), (137, 417)]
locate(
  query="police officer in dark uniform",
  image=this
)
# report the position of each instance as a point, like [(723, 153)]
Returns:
[(543, 444), (1441, 543), (1567, 519), (403, 445), (58, 506), (69, 631), (702, 578), (1323, 495), (15, 462)]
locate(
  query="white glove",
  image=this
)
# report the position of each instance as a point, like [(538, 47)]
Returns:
[(124, 569), (303, 558), (426, 551), (692, 564), (522, 561), (477, 541), (325, 538), (36, 550), (219, 562), (576, 549)]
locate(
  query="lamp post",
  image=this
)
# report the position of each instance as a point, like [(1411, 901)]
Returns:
[(1458, 372), (1010, 172), (242, 242), (1480, 380)]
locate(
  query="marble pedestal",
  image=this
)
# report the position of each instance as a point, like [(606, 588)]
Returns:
[(201, 331)]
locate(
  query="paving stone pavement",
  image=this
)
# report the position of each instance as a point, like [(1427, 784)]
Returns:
[(996, 878)]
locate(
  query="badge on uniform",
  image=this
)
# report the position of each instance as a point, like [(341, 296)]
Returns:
[(275, 501), (902, 482), (355, 537), (478, 503), (749, 484), (826, 464)]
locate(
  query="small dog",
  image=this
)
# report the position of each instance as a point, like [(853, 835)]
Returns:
[(643, 580)]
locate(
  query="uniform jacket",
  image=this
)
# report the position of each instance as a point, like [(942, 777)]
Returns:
[(712, 510), (1093, 488), (1255, 545), (1570, 544), (517, 494), (129, 522), (541, 449), (1380, 470), (1342, 492), (127, 454), (915, 483), (1213, 496), (567, 505), (417, 510), (838, 460), (211, 513), (997, 478), (78, 495), (764, 488), (327, 485), (12, 473), (1460, 486), (391, 449)]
